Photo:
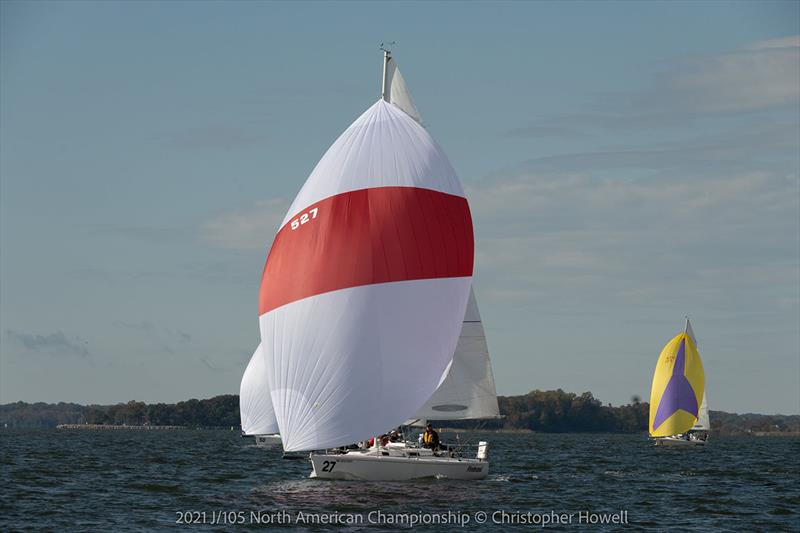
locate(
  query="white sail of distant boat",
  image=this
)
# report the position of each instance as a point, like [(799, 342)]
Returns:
[(255, 405), (364, 293), (468, 390), (703, 422)]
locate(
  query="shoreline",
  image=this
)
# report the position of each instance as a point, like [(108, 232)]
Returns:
[(118, 426)]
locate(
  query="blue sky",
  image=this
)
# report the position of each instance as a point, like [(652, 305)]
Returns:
[(627, 164)]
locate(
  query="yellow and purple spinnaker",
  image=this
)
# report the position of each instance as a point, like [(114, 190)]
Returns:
[(678, 387)]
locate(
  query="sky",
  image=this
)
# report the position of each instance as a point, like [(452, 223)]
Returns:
[(626, 164)]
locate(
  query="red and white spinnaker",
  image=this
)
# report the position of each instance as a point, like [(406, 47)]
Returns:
[(366, 284)]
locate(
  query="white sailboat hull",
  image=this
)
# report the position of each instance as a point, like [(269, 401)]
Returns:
[(371, 467), (679, 441), (268, 441)]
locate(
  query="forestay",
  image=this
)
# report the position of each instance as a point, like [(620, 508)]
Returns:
[(255, 403), (366, 284)]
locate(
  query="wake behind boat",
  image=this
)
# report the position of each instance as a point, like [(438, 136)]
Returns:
[(678, 405)]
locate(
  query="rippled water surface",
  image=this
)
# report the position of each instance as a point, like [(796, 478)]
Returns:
[(84, 480)]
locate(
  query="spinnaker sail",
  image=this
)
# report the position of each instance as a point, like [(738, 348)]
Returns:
[(678, 386), (255, 402), (366, 284)]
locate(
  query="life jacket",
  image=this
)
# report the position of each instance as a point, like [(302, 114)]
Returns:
[(428, 437)]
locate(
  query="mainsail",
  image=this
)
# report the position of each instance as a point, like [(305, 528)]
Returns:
[(467, 391), (255, 404), (703, 423), (396, 91), (678, 386), (365, 287)]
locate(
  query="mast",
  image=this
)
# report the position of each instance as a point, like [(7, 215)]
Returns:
[(387, 56)]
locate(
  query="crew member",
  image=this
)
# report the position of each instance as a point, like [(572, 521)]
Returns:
[(430, 439)]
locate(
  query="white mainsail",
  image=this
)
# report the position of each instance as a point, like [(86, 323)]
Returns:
[(366, 284), (468, 390), (703, 423), (396, 91), (255, 404)]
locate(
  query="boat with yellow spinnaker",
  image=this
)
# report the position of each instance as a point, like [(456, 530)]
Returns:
[(678, 408)]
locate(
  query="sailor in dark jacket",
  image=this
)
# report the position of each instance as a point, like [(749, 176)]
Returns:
[(430, 439)]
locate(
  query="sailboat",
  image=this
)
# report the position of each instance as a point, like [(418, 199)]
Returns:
[(678, 406), (364, 293), (255, 405)]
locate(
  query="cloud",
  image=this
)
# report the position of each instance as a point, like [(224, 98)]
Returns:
[(792, 41), (153, 338), (247, 229), (235, 362), (209, 365), (757, 77), (53, 343), (570, 237), (736, 149)]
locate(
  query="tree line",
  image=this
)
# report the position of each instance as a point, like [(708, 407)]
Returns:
[(219, 411), (553, 411)]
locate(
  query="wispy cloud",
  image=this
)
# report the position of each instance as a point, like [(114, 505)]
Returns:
[(251, 228), (154, 338), (760, 76), (731, 149), (235, 360), (55, 344), (568, 236), (209, 365), (709, 209)]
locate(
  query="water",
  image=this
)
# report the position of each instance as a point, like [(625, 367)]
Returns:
[(83, 480)]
